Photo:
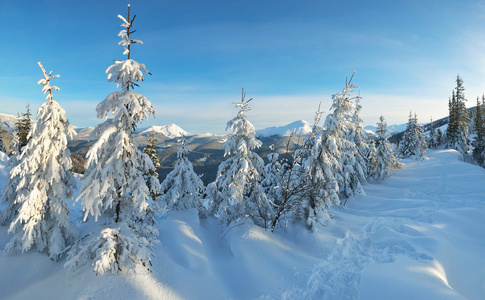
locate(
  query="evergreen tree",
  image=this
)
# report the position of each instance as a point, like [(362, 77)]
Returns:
[(457, 132), (372, 158), (408, 144), (236, 192), (45, 182), (20, 137), (114, 184), (432, 136), (318, 167), (358, 136), (21, 132), (413, 142), (383, 160), (439, 137), (182, 188), (479, 126), (150, 150), (349, 171), (2, 147), (305, 187)]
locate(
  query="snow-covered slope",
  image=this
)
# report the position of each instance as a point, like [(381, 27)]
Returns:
[(300, 127), (417, 235), (170, 130), (7, 121)]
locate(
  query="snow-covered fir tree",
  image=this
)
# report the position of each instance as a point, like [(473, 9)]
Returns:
[(349, 171), (9, 194), (371, 157), (152, 177), (439, 137), (317, 168), (421, 145), (21, 132), (182, 188), (358, 136), (432, 140), (45, 182), (302, 187), (273, 179), (114, 185), (236, 192), (479, 128), (413, 142), (20, 137), (459, 121), (2, 146), (383, 160)]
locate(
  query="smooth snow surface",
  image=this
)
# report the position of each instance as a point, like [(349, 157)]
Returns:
[(417, 235)]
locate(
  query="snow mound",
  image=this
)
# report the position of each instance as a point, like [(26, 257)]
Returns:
[(300, 127), (170, 130)]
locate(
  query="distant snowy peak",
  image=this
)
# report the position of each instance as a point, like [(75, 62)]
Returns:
[(390, 128), (170, 130), (7, 121), (300, 127)]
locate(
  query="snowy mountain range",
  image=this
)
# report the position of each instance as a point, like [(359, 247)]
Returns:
[(7, 121), (300, 127), (390, 128), (170, 131)]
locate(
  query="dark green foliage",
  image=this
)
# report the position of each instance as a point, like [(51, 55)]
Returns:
[(479, 127), (21, 132), (457, 132)]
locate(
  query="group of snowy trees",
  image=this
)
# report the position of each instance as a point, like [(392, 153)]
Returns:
[(121, 186), (40, 182), (459, 120), (413, 142)]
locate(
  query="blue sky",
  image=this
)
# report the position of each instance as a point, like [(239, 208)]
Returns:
[(288, 55)]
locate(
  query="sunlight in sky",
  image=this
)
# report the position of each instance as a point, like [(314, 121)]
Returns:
[(288, 56)]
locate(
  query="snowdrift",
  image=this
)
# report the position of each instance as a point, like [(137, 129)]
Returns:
[(417, 235)]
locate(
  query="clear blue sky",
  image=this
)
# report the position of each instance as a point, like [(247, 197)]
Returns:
[(288, 55)]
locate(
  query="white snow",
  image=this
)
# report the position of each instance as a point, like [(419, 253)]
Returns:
[(396, 128), (170, 130), (300, 127), (7, 121), (417, 235)]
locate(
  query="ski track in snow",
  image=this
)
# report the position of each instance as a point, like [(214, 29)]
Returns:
[(417, 235), (394, 233)]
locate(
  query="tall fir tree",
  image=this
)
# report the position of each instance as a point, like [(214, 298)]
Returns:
[(182, 188), (383, 160), (349, 171), (413, 142), (2, 146), (236, 192), (151, 150), (318, 166), (432, 140), (45, 182), (360, 139), (21, 131), (421, 143), (20, 135), (114, 183), (479, 127), (459, 120)]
